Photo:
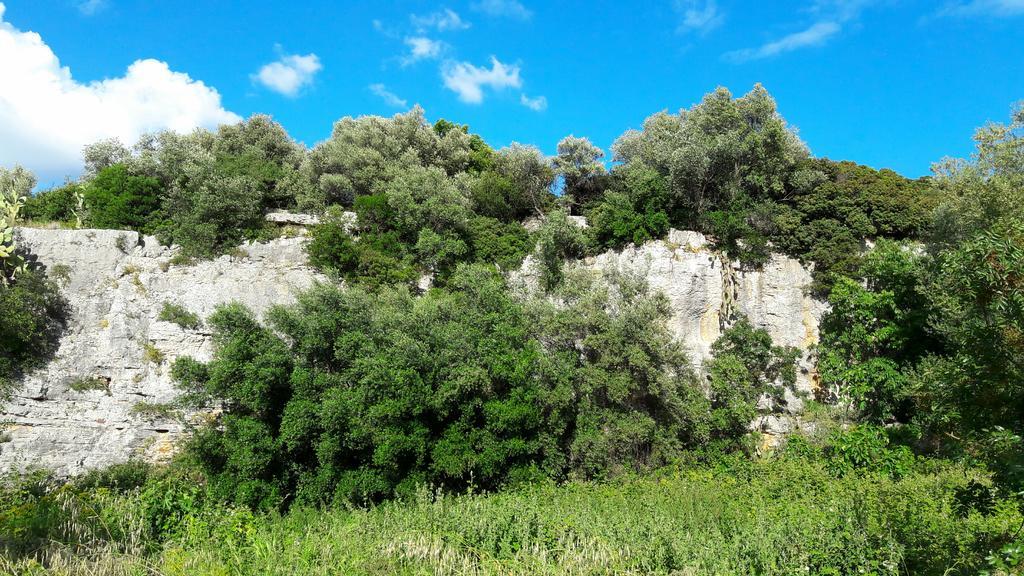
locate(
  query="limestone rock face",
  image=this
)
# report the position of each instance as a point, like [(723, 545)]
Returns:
[(707, 292), (117, 283)]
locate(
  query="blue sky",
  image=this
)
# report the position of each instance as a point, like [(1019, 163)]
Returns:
[(897, 83)]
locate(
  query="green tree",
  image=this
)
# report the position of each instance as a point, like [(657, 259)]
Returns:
[(715, 151), (579, 164), (117, 199), (875, 333)]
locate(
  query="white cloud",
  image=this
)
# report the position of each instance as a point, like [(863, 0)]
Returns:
[(538, 104), (46, 116), (700, 16), (90, 7), (841, 10), (830, 17), (442, 21), (468, 81), (289, 73), (422, 48), (984, 8), (503, 9), (389, 97), (815, 35)]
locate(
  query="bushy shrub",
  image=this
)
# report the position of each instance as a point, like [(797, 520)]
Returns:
[(179, 315), (368, 395), (121, 200), (213, 214), (874, 333), (558, 239), (375, 259), (59, 204), (495, 196), (746, 366), (616, 221), (34, 314), (505, 244), (865, 448)]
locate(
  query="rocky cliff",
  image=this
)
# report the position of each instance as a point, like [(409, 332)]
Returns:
[(118, 282)]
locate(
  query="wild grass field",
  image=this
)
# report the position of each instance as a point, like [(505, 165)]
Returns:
[(785, 516)]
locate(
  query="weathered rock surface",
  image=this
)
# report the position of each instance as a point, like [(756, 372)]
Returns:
[(285, 218), (117, 284), (707, 292)]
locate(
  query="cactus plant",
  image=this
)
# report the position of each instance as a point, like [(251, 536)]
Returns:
[(14, 187), (79, 209)]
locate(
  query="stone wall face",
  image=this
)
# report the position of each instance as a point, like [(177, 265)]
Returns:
[(706, 291), (117, 283)]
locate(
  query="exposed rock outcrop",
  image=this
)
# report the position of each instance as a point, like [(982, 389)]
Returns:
[(118, 282), (708, 292)]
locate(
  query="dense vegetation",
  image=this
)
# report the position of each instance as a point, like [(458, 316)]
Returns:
[(346, 426), (793, 514), (355, 396), (32, 310)]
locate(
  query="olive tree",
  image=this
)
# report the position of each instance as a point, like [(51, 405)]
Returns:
[(716, 151), (579, 163), (363, 152)]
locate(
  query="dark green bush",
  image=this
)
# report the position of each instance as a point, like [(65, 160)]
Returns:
[(118, 199), (55, 205), (34, 315), (367, 396), (213, 214), (866, 448), (179, 315), (505, 244), (745, 367), (616, 222)]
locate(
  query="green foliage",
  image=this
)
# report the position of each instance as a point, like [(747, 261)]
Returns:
[(835, 206), (90, 383), (34, 315), (985, 191), (213, 214), (558, 239), (503, 243), (152, 354), (120, 200), (495, 196), (375, 259), (745, 367), (579, 164), (366, 153), (205, 191), (350, 396), (865, 448), (733, 169), (14, 187), (777, 517), (632, 210), (179, 315), (874, 334), (716, 151), (154, 410), (58, 204), (971, 386), (742, 229)]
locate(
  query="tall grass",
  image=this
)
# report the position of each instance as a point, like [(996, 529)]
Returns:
[(783, 517)]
